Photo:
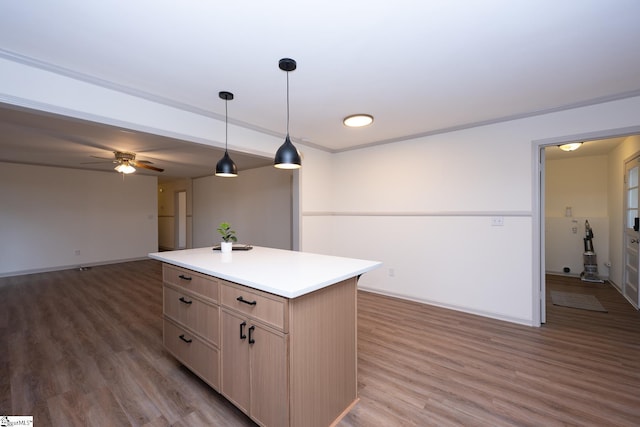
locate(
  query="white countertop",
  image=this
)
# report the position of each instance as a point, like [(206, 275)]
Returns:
[(286, 273)]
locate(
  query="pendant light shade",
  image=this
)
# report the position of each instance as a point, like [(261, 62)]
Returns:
[(287, 156), (225, 166)]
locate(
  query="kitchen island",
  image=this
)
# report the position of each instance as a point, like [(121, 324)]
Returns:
[(274, 331)]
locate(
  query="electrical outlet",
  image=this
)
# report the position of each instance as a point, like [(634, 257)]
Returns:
[(77, 252), (392, 272), (497, 221)]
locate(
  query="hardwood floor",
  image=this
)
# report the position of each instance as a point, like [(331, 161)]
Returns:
[(422, 365), (85, 348)]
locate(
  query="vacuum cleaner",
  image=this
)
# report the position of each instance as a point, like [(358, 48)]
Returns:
[(589, 259)]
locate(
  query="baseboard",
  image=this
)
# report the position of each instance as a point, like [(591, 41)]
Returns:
[(68, 267), (519, 321), (561, 274)]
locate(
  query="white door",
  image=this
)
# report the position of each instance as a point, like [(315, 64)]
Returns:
[(631, 232), (181, 219)]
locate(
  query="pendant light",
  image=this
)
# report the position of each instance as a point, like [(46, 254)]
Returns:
[(225, 166), (287, 156)]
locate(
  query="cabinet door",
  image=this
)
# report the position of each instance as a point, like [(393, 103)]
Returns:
[(235, 360), (269, 376)]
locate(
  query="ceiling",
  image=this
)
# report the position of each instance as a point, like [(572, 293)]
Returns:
[(44, 139), (419, 67)]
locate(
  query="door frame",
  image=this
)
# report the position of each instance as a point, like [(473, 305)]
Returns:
[(624, 286), (538, 223)]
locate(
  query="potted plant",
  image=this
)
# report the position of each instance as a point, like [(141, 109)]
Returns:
[(228, 237)]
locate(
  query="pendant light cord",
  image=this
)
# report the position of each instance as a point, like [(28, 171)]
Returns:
[(226, 124), (287, 103)]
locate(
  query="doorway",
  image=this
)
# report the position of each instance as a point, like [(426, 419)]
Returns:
[(539, 210)]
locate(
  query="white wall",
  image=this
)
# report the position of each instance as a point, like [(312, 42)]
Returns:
[(429, 218), (582, 184), (47, 214), (257, 204)]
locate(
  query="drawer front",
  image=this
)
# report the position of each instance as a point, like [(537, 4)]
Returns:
[(202, 284), (201, 317), (199, 357), (262, 306)]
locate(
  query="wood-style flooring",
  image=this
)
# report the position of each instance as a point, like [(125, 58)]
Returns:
[(84, 348)]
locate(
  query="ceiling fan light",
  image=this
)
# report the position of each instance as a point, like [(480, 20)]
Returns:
[(226, 167), (125, 168), (571, 146), (287, 156), (358, 120)]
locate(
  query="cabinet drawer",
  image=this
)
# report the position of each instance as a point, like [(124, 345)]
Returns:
[(202, 284), (263, 306), (201, 317), (199, 357)]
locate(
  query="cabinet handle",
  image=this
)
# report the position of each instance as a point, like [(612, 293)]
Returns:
[(251, 340), (185, 301), (242, 335), (183, 277), (245, 301), (187, 340)]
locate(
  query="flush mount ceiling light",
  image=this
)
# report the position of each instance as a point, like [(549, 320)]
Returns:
[(571, 146), (225, 166), (358, 120), (287, 156)]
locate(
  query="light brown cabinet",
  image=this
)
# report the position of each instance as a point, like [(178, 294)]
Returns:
[(255, 374), (191, 324), (282, 361)]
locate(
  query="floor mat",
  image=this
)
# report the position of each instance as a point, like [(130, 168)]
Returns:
[(573, 300)]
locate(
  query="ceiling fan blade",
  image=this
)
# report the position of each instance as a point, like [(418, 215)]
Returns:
[(144, 161), (145, 166)]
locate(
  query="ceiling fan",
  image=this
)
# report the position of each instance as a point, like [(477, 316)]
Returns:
[(127, 163)]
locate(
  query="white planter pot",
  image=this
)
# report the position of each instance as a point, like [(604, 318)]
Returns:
[(226, 247)]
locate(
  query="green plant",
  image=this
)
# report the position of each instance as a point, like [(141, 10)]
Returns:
[(228, 235)]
